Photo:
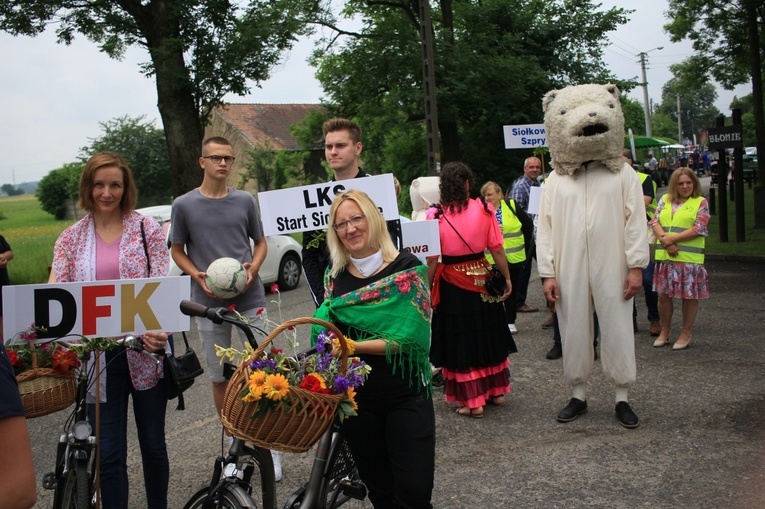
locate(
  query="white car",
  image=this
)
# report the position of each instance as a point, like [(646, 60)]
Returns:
[(282, 264)]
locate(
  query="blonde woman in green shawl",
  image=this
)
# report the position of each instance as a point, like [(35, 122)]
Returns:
[(379, 298)]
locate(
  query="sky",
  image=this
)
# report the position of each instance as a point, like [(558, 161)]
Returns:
[(53, 97)]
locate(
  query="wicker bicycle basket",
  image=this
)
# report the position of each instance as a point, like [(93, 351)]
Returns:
[(45, 390), (291, 427)]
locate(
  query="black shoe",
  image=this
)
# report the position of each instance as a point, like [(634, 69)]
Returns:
[(574, 409), (556, 352), (438, 379), (626, 416)]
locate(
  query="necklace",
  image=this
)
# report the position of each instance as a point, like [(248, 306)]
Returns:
[(369, 265)]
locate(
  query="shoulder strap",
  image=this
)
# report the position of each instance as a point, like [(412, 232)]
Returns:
[(146, 250), (510, 204), (441, 213)]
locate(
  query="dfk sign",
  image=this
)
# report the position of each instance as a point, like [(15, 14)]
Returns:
[(98, 308)]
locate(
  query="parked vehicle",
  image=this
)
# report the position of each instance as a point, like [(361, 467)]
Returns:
[(282, 264)]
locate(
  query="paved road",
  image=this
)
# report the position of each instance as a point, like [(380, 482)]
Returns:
[(701, 442)]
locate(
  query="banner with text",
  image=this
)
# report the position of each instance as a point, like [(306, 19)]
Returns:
[(421, 238), (525, 136), (306, 208), (97, 308)]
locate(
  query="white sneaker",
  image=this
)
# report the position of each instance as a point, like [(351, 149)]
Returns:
[(277, 457), (230, 470), (512, 328)]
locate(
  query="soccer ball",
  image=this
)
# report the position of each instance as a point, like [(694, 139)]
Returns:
[(226, 278)]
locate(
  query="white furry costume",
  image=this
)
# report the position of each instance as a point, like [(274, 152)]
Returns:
[(591, 229), (423, 193)]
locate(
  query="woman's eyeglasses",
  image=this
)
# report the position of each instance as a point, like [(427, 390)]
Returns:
[(341, 226)]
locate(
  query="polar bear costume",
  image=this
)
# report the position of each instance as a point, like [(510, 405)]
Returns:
[(423, 193), (591, 232)]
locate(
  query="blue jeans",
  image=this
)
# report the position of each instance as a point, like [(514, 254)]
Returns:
[(149, 410)]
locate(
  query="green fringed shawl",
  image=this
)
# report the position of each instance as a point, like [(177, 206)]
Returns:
[(395, 309)]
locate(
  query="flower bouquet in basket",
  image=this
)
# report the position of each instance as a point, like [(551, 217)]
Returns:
[(286, 402), (45, 373), (25, 355)]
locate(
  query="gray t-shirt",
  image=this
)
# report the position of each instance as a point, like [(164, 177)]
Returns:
[(212, 228)]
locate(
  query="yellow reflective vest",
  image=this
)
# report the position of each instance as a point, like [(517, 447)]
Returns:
[(689, 251), (515, 248), (652, 206)]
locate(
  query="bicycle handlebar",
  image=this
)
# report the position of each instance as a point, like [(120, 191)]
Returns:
[(218, 316)]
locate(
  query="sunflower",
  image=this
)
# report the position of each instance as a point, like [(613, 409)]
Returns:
[(276, 387)]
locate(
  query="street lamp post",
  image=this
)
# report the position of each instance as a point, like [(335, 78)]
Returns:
[(646, 107)]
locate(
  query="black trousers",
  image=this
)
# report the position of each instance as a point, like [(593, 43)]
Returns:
[(516, 271), (394, 446)]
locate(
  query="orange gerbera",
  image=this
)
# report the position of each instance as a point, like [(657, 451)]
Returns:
[(276, 387)]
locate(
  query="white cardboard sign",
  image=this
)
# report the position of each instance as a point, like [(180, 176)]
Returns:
[(97, 308), (421, 238), (525, 136), (535, 194), (306, 208)]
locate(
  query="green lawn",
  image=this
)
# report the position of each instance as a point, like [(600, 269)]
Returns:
[(31, 232), (755, 239)]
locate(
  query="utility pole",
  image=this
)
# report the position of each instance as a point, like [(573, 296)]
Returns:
[(646, 105), (679, 121), (429, 84)]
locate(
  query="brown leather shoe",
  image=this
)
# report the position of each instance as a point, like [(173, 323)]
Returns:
[(655, 329), (526, 309)]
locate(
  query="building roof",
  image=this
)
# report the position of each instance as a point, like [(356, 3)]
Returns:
[(258, 123)]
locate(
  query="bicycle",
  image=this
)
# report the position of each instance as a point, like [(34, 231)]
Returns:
[(74, 477), (333, 480)]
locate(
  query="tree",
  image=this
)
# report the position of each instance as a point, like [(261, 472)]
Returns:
[(494, 60), (57, 186), (729, 41), (697, 98), (200, 50), (144, 148), (273, 169), (634, 115), (10, 190), (746, 105)]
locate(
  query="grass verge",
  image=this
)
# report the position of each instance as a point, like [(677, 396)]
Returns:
[(31, 233), (754, 245)]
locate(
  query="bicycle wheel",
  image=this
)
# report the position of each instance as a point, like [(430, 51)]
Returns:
[(265, 464), (342, 482), (76, 487), (229, 496)]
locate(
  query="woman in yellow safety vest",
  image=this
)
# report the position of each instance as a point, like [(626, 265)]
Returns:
[(517, 229), (680, 226)]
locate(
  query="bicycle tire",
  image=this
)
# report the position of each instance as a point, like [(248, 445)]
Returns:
[(230, 496), (265, 465), (76, 489), (340, 466)]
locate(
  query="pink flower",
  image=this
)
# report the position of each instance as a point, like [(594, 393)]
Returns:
[(370, 295), (404, 287), (260, 311), (274, 288)]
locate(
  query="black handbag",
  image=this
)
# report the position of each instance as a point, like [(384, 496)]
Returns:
[(180, 373), (495, 282)]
